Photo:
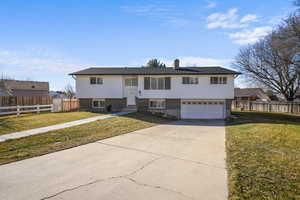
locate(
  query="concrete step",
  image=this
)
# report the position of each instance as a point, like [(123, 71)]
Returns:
[(130, 108)]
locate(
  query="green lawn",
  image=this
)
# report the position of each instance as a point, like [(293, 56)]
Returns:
[(263, 156), (18, 149), (10, 124)]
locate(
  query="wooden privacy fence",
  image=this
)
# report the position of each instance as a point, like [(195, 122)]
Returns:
[(8, 110), (274, 106), (65, 105), (24, 100)]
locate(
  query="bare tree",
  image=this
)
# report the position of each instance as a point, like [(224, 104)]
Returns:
[(274, 61), (69, 91), (271, 63)]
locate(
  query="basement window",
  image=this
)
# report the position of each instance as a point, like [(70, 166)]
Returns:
[(157, 104), (98, 103)]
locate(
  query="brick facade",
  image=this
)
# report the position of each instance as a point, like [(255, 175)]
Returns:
[(85, 104), (172, 108)]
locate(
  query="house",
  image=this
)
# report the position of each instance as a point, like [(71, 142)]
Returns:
[(23, 88), (250, 94), (181, 92)]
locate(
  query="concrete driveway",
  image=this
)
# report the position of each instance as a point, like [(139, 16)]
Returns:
[(178, 161)]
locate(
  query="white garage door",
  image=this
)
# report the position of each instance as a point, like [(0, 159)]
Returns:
[(202, 110)]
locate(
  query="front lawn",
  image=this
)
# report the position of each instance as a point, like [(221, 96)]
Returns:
[(263, 156), (35, 145), (10, 124)]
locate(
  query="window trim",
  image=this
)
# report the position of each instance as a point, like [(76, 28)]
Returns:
[(98, 80), (98, 100), (220, 80), (189, 80), (132, 80), (164, 80), (157, 100)]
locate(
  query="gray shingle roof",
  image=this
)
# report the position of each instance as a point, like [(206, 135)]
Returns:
[(153, 71), (248, 92)]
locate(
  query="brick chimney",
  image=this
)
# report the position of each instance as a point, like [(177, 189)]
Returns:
[(176, 63)]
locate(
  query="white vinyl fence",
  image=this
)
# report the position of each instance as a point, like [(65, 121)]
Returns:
[(7, 110), (287, 107)]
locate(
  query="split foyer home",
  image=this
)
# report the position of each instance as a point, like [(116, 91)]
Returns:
[(181, 92)]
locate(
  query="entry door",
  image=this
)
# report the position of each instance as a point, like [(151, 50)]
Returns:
[(131, 90), (131, 94)]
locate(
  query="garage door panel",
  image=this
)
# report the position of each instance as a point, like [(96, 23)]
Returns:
[(202, 111)]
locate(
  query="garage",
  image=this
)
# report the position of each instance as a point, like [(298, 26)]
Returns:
[(202, 109)]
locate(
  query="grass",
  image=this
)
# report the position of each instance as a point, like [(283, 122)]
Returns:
[(10, 124), (22, 148), (263, 156)]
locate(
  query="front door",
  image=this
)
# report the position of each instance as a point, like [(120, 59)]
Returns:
[(131, 90)]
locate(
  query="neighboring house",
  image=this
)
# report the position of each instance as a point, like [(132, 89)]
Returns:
[(250, 94), (181, 92), (23, 88)]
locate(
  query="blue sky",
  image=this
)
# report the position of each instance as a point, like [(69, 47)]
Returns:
[(46, 40)]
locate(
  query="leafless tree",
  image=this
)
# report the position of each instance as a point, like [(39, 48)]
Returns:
[(69, 91), (273, 60)]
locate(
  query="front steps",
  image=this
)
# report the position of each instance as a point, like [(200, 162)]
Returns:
[(130, 108)]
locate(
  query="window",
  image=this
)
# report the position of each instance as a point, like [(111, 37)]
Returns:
[(98, 103), (218, 80), (95, 80), (129, 82), (157, 104), (189, 80), (160, 83)]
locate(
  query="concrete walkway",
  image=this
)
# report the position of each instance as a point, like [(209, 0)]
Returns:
[(184, 160), (56, 127)]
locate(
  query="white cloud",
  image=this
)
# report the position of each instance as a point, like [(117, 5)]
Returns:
[(165, 14), (224, 20), (40, 65), (250, 35), (249, 18), (36, 61), (230, 19), (211, 4)]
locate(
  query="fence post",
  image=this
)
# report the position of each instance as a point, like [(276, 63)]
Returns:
[(38, 108), (52, 108), (18, 110)]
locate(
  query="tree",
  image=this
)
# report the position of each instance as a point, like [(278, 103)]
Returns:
[(270, 63), (69, 91), (274, 61), (155, 64)]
